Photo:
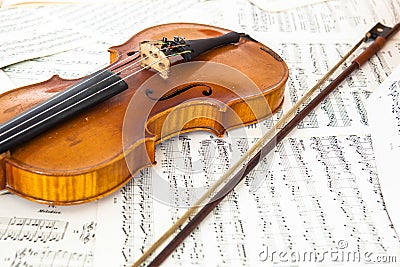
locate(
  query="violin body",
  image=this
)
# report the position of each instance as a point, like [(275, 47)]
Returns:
[(94, 153)]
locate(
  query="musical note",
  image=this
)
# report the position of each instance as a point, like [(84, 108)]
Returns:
[(245, 16), (29, 39), (88, 232), (49, 257), (383, 110), (33, 230)]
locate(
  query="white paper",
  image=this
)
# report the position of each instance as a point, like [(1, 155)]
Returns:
[(7, 3), (29, 33), (279, 5), (95, 33), (42, 235), (347, 17), (383, 109), (25, 35), (6, 82)]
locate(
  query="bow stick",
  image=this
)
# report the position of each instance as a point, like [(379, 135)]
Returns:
[(379, 33)]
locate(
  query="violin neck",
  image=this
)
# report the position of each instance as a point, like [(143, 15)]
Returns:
[(88, 92), (200, 46)]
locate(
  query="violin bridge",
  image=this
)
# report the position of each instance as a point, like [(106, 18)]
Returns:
[(153, 58)]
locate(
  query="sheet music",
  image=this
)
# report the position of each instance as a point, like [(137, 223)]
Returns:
[(313, 201), (383, 109), (326, 17), (42, 235), (89, 21), (278, 5), (119, 25), (6, 82), (299, 206), (8, 3), (71, 64), (344, 111), (26, 35)]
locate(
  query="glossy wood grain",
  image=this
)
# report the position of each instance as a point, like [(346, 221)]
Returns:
[(85, 159)]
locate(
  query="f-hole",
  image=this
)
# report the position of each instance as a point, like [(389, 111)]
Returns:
[(205, 92)]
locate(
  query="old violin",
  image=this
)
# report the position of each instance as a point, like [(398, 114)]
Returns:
[(73, 141)]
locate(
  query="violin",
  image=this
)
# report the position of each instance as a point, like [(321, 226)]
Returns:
[(67, 142)]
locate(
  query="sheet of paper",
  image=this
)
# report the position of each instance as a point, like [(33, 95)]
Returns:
[(89, 21), (344, 111), (383, 109), (25, 35), (8, 3), (314, 195), (6, 82), (41, 235), (339, 16), (279, 5), (119, 24), (71, 64)]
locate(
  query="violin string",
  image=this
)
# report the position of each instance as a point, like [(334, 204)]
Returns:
[(136, 50), (109, 68), (26, 129), (77, 102), (112, 67), (144, 58), (33, 109)]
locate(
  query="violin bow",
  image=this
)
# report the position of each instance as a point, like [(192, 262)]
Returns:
[(379, 33)]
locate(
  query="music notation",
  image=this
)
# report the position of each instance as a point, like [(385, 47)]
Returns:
[(336, 111), (297, 86), (394, 94), (136, 203), (383, 110), (287, 203), (29, 39), (359, 100), (38, 235), (88, 232), (34, 230), (50, 258)]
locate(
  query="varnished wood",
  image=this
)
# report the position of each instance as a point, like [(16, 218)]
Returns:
[(83, 159)]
